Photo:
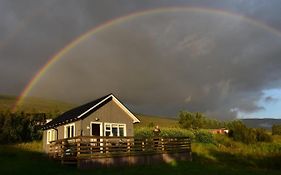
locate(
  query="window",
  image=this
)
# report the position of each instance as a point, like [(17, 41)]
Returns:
[(51, 135), (69, 130), (115, 129), (121, 130), (107, 130)]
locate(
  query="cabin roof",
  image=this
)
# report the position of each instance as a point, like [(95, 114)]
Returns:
[(85, 110)]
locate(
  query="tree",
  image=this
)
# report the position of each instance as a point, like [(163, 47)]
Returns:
[(197, 120), (186, 119)]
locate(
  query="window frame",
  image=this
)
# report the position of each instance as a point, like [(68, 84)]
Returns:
[(101, 128), (119, 125), (65, 130), (51, 135)]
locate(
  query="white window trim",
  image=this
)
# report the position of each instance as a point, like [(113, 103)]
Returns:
[(65, 129), (118, 134), (101, 127), (53, 133)]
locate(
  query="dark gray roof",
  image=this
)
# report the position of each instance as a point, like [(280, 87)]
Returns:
[(78, 113)]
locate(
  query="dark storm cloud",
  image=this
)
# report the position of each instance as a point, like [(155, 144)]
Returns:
[(162, 64), (183, 61)]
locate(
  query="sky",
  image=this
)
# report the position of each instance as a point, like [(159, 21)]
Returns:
[(218, 57)]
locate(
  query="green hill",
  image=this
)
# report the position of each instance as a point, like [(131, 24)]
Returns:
[(32, 104), (150, 120)]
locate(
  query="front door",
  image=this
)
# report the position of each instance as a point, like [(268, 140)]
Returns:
[(96, 129)]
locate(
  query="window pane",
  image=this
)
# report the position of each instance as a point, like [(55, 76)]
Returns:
[(121, 132), (107, 127), (72, 131), (68, 132), (107, 133), (114, 131)]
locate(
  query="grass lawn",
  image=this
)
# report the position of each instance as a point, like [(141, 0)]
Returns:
[(28, 159)]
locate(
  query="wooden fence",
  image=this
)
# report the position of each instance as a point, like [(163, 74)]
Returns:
[(90, 148)]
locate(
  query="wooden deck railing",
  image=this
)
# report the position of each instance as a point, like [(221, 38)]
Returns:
[(88, 147)]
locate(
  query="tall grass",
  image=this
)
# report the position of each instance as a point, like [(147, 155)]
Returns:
[(225, 151)]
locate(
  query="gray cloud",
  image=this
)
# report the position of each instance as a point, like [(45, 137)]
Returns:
[(157, 64), (196, 65)]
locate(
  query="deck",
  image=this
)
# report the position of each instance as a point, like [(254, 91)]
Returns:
[(91, 151)]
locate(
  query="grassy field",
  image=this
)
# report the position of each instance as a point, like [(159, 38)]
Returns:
[(207, 159)]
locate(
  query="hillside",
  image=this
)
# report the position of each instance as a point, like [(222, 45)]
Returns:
[(150, 120), (33, 104)]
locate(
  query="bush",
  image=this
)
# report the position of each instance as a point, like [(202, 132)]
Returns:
[(204, 137), (143, 132), (18, 127), (276, 129), (239, 132), (262, 135)]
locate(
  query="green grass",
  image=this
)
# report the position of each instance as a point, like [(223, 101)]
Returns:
[(230, 153), (27, 158)]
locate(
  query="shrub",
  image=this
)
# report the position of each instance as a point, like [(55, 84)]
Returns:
[(204, 137), (143, 132), (276, 129), (18, 127), (176, 132), (239, 132), (262, 135)]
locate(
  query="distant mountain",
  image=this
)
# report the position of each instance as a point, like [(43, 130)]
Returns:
[(265, 123)]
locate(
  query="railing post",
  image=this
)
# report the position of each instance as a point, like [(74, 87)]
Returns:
[(128, 145), (78, 146), (62, 148), (162, 145), (142, 145)]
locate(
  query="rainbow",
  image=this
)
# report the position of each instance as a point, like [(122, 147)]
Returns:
[(125, 18)]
